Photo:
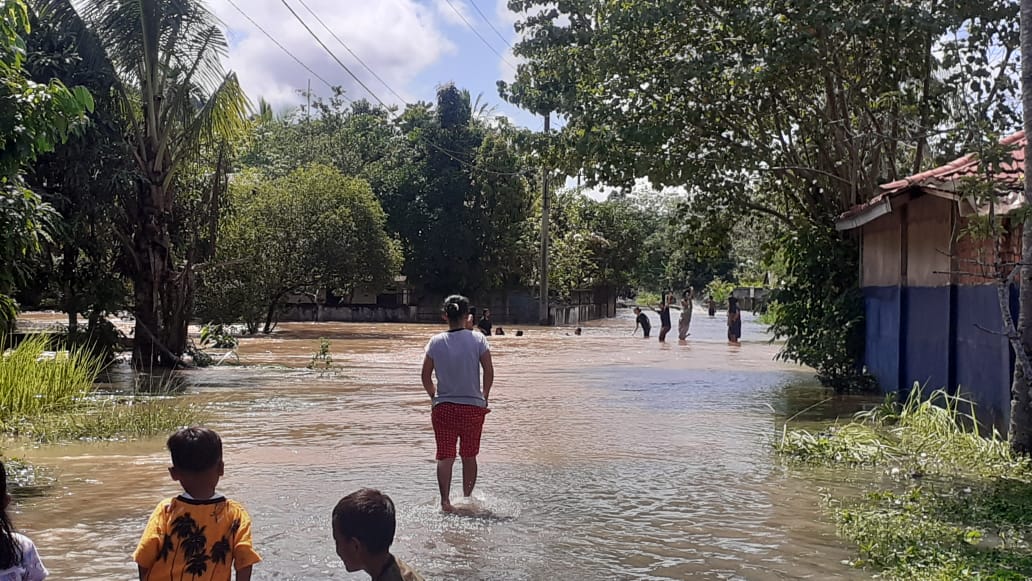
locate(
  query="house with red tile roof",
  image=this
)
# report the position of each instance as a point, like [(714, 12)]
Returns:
[(932, 308)]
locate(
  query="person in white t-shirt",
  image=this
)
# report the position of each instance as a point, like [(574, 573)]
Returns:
[(459, 402), (19, 560)]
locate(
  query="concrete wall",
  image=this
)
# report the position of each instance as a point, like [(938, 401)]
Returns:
[(518, 307)]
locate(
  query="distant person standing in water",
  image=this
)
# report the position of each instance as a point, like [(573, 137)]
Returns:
[(711, 307), (642, 320), (485, 323), (734, 321), (459, 403), (664, 317), (685, 321)]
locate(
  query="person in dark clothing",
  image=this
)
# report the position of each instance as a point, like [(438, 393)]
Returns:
[(711, 307), (734, 321), (642, 320), (485, 323), (664, 318)]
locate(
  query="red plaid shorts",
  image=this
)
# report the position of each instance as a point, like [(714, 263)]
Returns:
[(457, 423)]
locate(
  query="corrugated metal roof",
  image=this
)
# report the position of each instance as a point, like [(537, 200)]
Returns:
[(939, 181)]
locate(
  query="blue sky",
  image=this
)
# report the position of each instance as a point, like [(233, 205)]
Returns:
[(414, 45)]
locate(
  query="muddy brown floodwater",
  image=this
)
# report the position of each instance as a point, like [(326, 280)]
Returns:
[(605, 457)]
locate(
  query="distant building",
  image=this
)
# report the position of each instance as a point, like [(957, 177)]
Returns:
[(930, 318)]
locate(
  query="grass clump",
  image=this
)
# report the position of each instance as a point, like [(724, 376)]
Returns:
[(34, 382), (110, 420), (51, 396), (949, 503)]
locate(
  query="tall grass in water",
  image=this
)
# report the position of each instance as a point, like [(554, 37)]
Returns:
[(947, 502), (50, 397), (33, 384)]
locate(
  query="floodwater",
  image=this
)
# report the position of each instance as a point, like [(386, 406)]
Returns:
[(605, 457)]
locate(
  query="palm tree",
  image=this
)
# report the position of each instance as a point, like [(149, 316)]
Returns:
[(167, 55)]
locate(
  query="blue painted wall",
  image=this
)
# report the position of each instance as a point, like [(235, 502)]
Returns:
[(881, 305), (919, 320), (926, 337)]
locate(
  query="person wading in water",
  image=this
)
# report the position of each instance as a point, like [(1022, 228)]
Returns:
[(459, 403), (664, 317), (684, 323)]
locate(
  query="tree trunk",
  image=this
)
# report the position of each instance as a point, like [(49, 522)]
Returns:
[(162, 296), (1021, 414)]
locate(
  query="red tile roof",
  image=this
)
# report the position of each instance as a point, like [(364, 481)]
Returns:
[(1010, 174)]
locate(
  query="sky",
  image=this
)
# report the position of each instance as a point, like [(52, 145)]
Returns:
[(413, 45)]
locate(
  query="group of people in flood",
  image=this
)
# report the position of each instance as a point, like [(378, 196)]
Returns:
[(203, 534), (668, 302)]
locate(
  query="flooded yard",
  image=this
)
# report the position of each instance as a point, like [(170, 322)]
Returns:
[(605, 457)]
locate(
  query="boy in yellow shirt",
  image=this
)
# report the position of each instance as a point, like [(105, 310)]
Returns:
[(200, 533)]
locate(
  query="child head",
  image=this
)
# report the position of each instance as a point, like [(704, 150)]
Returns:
[(196, 460), (455, 308), (637, 310), (732, 301), (10, 551), (363, 527), (577, 331), (487, 313)]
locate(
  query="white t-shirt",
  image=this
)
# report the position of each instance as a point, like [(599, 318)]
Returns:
[(456, 356), (30, 568)]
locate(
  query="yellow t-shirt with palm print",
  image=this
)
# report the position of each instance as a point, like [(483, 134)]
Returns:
[(188, 539)]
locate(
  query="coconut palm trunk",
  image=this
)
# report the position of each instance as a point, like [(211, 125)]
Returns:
[(1021, 389)]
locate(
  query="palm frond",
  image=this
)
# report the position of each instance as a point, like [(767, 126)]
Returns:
[(224, 115)]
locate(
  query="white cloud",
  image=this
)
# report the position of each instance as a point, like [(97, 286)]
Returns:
[(451, 13), (399, 39)]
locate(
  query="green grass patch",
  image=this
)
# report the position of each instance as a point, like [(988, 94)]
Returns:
[(949, 503), (49, 397), (34, 382), (107, 420)]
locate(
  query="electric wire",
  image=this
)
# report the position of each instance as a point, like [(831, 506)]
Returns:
[(277, 43), (419, 136), (480, 36), (351, 52), (488, 21)]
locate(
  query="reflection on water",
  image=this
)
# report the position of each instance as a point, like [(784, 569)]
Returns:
[(606, 457)]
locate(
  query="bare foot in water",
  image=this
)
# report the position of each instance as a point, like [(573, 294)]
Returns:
[(447, 507)]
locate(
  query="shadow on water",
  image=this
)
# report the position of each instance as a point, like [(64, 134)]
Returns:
[(605, 456)]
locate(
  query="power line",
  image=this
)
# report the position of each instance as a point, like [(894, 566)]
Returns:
[(351, 52), (488, 21), (277, 43), (480, 36), (334, 56), (419, 136)]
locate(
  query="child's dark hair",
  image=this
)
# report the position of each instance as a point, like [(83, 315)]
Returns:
[(455, 307), (366, 515), (10, 551), (195, 449)]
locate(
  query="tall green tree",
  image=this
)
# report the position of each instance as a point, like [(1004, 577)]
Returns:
[(80, 271), (179, 100), (34, 117), (310, 231)]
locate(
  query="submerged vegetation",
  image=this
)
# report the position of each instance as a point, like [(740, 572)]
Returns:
[(50, 396), (950, 503)]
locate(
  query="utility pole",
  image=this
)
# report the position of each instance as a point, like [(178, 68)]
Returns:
[(545, 203)]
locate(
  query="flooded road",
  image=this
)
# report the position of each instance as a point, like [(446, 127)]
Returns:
[(605, 457)]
